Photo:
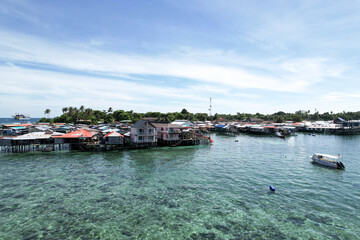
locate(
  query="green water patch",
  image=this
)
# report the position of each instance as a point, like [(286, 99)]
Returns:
[(219, 191)]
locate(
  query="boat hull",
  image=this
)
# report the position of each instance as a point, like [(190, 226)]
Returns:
[(326, 162)]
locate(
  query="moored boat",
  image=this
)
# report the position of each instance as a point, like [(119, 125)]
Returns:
[(21, 117), (328, 160), (280, 135)]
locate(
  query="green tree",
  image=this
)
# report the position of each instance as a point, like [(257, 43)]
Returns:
[(201, 116), (279, 119), (88, 113), (297, 118), (47, 112), (71, 111), (179, 115), (121, 115), (184, 111), (191, 117), (109, 118)]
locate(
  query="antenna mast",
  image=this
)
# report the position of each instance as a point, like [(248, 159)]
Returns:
[(210, 107)]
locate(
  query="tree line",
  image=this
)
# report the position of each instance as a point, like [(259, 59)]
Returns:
[(90, 116)]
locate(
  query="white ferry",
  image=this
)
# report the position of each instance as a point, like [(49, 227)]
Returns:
[(21, 117)]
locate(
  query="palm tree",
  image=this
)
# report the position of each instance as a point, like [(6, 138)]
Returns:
[(110, 109), (71, 111), (88, 112), (47, 111), (65, 109), (82, 108), (76, 113)]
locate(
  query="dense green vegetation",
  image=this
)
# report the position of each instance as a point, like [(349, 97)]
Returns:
[(90, 116)]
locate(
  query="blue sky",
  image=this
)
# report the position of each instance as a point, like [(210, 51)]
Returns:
[(164, 55)]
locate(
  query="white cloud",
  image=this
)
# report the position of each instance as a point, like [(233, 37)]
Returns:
[(224, 75), (36, 89), (292, 75), (340, 96)]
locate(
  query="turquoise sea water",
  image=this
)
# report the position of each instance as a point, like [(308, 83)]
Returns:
[(220, 191)]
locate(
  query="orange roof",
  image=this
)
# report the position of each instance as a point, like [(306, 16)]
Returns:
[(81, 133), (59, 124), (113, 134)]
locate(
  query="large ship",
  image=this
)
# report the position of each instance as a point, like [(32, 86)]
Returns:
[(21, 117)]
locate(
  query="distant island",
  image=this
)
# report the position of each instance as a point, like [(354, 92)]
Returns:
[(90, 116)]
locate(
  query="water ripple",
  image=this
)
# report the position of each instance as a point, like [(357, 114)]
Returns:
[(207, 192)]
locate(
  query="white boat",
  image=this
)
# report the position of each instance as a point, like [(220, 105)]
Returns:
[(279, 135), (328, 160), (21, 117)]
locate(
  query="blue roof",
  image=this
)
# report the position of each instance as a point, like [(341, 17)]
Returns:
[(18, 128), (220, 125), (63, 128)]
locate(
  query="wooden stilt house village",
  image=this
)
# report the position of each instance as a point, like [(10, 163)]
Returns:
[(143, 134), (148, 132)]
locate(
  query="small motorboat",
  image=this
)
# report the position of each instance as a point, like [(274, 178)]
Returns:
[(280, 135), (328, 160)]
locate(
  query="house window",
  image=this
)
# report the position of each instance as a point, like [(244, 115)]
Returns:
[(150, 130), (150, 138), (140, 138), (141, 130)]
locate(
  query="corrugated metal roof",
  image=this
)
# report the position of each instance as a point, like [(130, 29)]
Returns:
[(8, 137), (140, 123), (37, 135), (166, 125), (110, 130)]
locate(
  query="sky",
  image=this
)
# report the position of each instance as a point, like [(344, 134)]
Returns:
[(165, 55)]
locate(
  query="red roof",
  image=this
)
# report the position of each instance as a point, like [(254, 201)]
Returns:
[(81, 133), (113, 134)]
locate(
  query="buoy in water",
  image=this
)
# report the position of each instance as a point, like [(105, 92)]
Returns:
[(272, 188)]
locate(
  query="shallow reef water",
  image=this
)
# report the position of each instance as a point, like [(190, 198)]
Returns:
[(218, 191)]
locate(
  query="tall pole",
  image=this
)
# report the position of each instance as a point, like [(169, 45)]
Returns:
[(210, 107)]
